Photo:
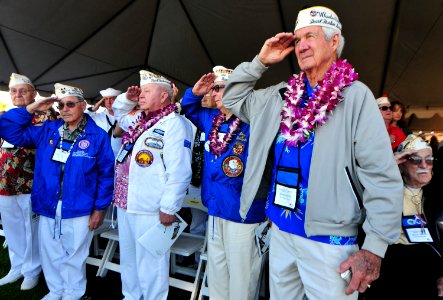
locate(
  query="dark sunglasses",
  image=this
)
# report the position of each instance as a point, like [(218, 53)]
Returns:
[(218, 87), (416, 160), (385, 108), (70, 104)]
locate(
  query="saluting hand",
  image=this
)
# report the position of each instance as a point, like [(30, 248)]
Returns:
[(41, 105), (133, 93), (204, 84), (276, 48)]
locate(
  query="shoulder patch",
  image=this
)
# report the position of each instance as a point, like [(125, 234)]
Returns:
[(187, 144)]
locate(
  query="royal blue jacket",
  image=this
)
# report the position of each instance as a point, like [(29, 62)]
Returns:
[(222, 176), (88, 175)]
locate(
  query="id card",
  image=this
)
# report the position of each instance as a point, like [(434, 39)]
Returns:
[(287, 187), (60, 155), (418, 235), (124, 152), (285, 196), (416, 229)]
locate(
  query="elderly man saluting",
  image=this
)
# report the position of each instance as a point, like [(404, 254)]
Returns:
[(153, 171), (73, 183), (16, 173), (332, 167)]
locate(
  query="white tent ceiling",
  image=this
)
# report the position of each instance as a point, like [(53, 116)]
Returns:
[(395, 45)]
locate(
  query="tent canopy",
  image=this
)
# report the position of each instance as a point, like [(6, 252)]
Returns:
[(395, 46)]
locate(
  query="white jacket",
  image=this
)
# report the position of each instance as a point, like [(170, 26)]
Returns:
[(160, 168)]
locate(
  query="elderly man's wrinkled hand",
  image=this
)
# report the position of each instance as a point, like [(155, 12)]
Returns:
[(204, 84), (401, 157), (365, 268), (166, 219), (133, 93), (41, 105), (276, 48), (96, 219)]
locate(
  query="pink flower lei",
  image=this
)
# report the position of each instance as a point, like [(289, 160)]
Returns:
[(219, 147), (299, 122), (144, 123)]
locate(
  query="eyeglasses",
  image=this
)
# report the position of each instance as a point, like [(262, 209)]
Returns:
[(417, 160), (385, 108), (70, 104), (218, 87), (20, 91)]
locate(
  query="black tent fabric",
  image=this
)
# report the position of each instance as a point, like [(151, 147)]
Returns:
[(395, 45)]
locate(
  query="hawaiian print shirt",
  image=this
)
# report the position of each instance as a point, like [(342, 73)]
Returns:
[(17, 164)]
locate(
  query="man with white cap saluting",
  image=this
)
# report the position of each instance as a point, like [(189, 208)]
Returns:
[(73, 183), (105, 118), (331, 165), (153, 171), (233, 259), (20, 225)]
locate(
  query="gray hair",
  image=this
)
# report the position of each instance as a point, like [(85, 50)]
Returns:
[(329, 33), (167, 88)]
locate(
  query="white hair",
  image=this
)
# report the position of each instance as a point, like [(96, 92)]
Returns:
[(167, 88), (329, 33)]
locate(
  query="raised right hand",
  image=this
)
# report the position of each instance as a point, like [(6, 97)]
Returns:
[(204, 84), (41, 105), (133, 93), (276, 48)]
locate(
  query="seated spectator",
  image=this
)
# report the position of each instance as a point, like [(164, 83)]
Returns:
[(413, 265), (395, 134), (398, 117)]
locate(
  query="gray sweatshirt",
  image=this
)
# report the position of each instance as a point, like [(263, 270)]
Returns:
[(353, 139)]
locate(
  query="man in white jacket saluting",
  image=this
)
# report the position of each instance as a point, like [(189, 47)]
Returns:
[(153, 171)]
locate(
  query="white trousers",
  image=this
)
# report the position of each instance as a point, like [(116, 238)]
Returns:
[(300, 268), (143, 275), (64, 247), (233, 260), (20, 226)]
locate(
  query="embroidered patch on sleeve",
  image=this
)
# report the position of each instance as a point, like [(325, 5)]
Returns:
[(187, 144)]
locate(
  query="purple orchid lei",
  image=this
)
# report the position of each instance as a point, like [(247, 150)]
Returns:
[(299, 122), (144, 123), (219, 147)]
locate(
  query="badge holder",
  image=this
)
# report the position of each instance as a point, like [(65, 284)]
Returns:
[(416, 229), (287, 194), (125, 151), (61, 155)]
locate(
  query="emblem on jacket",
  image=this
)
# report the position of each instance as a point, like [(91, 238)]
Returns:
[(144, 158), (83, 144), (238, 148), (153, 142), (232, 166), (241, 137)]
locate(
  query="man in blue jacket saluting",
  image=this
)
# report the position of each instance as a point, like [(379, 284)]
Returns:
[(73, 184)]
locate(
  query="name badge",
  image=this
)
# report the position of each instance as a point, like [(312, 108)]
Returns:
[(202, 137), (60, 155), (7, 145), (416, 229), (285, 196), (287, 187), (124, 152)]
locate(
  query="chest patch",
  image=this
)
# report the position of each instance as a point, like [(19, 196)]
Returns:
[(144, 158), (232, 166), (153, 142), (83, 144)]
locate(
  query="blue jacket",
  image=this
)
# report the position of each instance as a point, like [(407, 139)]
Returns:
[(222, 184), (88, 175)]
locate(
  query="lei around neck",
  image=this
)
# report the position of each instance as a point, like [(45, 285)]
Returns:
[(298, 122), (219, 147), (144, 123)]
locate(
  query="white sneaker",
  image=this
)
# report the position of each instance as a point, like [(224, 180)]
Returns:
[(51, 296), (29, 283), (11, 277)]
